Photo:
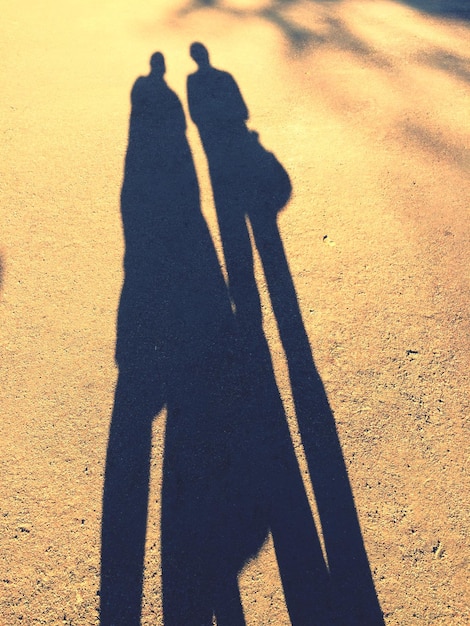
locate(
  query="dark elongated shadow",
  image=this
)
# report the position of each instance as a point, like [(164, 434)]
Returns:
[(250, 185), (230, 475), (459, 9), (273, 10)]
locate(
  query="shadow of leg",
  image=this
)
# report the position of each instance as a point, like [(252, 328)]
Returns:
[(351, 580), (125, 503)]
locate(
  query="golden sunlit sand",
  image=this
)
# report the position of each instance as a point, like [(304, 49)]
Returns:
[(366, 104)]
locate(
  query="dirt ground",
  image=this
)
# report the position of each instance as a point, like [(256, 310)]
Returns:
[(366, 104)]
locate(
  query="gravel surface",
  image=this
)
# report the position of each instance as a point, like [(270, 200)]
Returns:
[(366, 105)]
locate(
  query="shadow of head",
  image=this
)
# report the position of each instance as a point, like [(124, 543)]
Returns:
[(199, 54), (157, 64)]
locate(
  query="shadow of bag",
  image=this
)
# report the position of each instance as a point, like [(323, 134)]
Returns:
[(272, 184)]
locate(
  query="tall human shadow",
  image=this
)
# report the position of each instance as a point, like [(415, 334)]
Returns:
[(250, 186), (230, 475)]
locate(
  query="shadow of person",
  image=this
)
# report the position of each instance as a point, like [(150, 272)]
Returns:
[(230, 475), (250, 186)]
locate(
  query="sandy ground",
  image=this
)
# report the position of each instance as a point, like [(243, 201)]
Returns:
[(366, 104)]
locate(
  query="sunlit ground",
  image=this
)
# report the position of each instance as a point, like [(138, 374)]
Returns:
[(366, 103)]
